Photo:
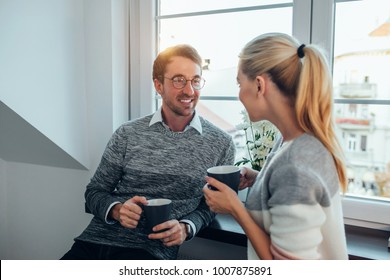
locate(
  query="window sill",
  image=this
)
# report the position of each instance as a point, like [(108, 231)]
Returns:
[(367, 244), (363, 243)]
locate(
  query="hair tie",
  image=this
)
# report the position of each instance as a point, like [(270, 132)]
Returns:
[(300, 51)]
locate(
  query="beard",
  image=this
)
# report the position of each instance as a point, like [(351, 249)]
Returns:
[(183, 105)]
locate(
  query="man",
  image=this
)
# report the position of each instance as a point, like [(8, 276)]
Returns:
[(164, 155)]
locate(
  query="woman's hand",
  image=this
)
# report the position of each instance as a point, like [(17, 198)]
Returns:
[(223, 200), (247, 178), (129, 213)]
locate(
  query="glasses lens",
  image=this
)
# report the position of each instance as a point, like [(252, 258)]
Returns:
[(179, 82), (197, 83)]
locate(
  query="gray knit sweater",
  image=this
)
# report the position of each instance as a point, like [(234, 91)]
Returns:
[(296, 200), (154, 162)]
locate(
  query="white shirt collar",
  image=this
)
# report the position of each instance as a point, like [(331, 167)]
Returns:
[(195, 122)]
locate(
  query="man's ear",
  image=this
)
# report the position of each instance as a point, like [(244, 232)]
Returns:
[(158, 86)]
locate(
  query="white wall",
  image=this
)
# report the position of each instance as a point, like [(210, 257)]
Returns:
[(63, 60), (44, 207), (42, 47), (120, 58)]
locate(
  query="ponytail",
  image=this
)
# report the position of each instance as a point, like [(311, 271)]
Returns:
[(314, 106)]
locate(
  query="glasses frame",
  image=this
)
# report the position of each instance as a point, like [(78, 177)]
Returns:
[(185, 81)]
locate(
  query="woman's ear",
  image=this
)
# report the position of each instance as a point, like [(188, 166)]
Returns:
[(260, 81)]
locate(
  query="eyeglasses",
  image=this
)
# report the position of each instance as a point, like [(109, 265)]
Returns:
[(180, 82)]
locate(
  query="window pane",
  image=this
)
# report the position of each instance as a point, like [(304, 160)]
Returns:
[(168, 7), (363, 131), (226, 115), (219, 39), (361, 67), (362, 49)]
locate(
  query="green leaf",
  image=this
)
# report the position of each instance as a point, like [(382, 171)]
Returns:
[(242, 162)]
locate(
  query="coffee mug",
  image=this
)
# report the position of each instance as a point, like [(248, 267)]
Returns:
[(156, 212), (227, 174)]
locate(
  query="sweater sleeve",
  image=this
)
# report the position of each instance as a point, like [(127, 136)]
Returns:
[(295, 231), (296, 207), (99, 194)]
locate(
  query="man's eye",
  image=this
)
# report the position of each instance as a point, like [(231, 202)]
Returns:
[(179, 79)]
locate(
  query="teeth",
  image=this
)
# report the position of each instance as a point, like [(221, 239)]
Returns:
[(186, 100)]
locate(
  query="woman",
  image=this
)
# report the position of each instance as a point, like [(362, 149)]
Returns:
[(293, 210)]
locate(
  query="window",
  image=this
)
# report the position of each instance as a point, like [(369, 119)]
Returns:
[(361, 62), (355, 34)]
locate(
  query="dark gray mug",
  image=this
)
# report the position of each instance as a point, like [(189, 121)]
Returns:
[(156, 212), (227, 174)]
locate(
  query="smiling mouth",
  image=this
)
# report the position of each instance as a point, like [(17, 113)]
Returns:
[(187, 101)]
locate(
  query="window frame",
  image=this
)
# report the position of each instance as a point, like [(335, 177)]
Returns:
[(313, 22)]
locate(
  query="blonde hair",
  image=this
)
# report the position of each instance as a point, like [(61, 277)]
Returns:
[(306, 82)]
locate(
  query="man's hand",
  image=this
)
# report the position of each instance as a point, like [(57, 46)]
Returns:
[(128, 213), (174, 233)]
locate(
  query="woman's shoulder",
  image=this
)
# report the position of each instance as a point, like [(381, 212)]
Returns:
[(307, 148), (305, 164)]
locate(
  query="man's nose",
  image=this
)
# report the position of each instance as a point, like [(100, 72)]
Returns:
[(189, 88)]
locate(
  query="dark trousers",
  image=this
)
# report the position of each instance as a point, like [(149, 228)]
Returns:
[(89, 251)]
